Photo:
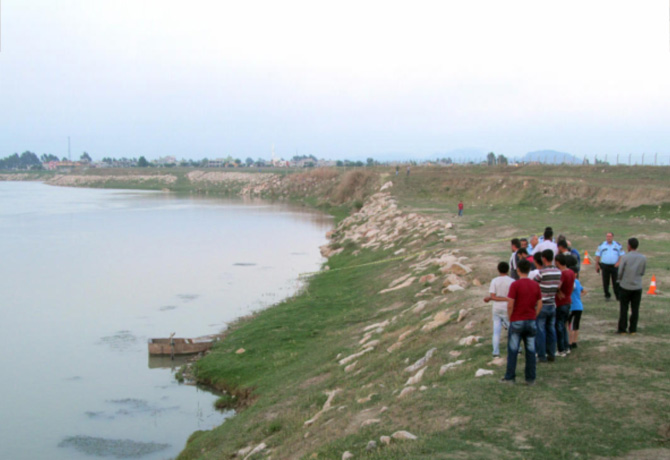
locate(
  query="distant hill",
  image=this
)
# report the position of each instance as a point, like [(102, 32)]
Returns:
[(551, 157)]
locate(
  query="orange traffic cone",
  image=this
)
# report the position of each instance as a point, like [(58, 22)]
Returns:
[(587, 261), (652, 287)]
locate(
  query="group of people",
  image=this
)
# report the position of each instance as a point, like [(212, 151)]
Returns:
[(537, 296)]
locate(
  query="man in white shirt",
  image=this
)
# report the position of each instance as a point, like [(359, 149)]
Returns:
[(547, 243), (498, 291)]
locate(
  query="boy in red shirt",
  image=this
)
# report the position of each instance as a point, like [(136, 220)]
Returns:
[(523, 305)]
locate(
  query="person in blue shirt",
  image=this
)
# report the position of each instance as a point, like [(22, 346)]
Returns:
[(576, 308), (608, 256)]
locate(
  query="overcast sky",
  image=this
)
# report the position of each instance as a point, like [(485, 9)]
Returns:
[(338, 80)]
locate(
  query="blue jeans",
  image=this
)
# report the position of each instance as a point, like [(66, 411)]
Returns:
[(546, 332), (526, 331), (562, 338)]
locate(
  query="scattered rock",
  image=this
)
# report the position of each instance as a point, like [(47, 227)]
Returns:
[(483, 372), (397, 281), (326, 407), (350, 367), (369, 422), (449, 238), (499, 361), (372, 445), (259, 448), (347, 455), (421, 362), (459, 269), (368, 398), (385, 440), (394, 347), (446, 367), (462, 314), (240, 351), (455, 353), (383, 324), (350, 358), (419, 307), (449, 226), (423, 388), (440, 319), (383, 409), (476, 282), (454, 288), (386, 186), (427, 278), (405, 391), (244, 451), (405, 334), (416, 378), (469, 326), (400, 251), (403, 435), (469, 340), (400, 286)]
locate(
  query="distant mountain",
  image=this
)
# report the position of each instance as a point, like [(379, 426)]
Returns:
[(551, 157)]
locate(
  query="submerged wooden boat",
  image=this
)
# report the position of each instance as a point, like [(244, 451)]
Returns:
[(179, 346)]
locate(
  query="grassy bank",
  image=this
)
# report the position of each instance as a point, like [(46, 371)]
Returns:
[(610, 398)]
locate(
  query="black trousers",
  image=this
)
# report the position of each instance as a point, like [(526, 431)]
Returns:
[(633, 299), (610, 272)]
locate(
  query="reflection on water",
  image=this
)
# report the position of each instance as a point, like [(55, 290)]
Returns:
[(87, 276)]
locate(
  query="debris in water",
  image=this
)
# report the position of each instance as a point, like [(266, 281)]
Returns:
[(119, 448)]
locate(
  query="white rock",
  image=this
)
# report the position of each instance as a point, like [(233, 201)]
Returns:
[(483, 372), (385, 440), (372, 445), (350, 358), (386, 186), (383, 324), (446, 367), (440, 319), (369, 422), (421, 362), (347, 455), (419, 306), (423, 388), (462, 314), (259, 448), (372, 343), (454, 288), (240, 351), (394, 347), (350, 367), (326, 407), (403, 435), (455, 353), (469, 340), (405, 391), (404, 335), (400, 286), (469, 326), (416, 378), (383, 409)]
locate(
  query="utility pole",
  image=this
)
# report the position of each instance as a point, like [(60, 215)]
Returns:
[(69, 156), (642, 158), (617, 159)]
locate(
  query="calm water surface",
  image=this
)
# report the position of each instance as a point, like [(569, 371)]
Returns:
[(87, 276)]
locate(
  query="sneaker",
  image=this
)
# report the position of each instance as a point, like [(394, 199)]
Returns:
[(507, 382), (573, 346), (562, 354), (567, 352)]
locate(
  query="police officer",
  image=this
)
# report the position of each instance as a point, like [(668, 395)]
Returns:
[(608, 256)]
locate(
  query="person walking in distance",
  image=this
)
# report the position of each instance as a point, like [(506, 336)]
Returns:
[(631, 270), (608, 256), (523, 306), (460, 208), (563, 300)]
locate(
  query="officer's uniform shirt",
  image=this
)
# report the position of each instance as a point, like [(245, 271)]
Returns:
[(609, 253)]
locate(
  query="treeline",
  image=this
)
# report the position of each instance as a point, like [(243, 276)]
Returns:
[(27, 160)]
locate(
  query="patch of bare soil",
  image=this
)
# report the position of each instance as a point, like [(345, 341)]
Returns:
[(644, 454)]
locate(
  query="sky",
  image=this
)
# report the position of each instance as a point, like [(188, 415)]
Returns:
[(338, 80)]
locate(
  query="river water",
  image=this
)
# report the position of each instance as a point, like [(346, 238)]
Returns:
[(87, 276)]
